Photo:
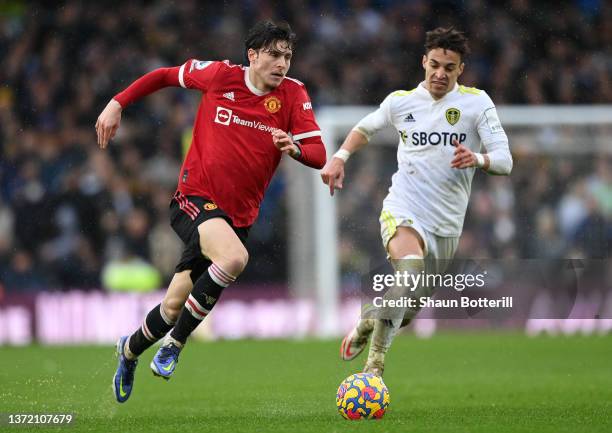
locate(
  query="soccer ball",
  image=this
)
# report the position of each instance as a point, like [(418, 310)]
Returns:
[(362, 396)]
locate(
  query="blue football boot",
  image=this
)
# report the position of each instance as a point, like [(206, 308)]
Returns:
[(124, 377), (165, 360)]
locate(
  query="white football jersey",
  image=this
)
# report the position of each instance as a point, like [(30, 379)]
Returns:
[(425, 185)]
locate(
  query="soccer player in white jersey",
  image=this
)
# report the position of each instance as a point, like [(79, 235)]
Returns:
[(446, 132)]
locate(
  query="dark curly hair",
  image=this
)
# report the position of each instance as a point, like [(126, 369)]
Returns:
[(265, 33), (447, 39)]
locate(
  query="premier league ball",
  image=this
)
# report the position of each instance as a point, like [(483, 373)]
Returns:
[(362, 396)]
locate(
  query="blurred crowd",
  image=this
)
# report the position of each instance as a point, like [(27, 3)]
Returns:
[(70, 213)]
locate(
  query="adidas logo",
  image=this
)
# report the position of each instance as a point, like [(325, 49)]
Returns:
[(209, 299), (409, 118), (229, 95)]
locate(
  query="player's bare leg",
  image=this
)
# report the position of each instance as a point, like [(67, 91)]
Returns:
[(406, 250), (176, 295), (219, 244)]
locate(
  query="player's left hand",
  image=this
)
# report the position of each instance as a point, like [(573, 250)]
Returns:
[(284, 143), (463, 157)]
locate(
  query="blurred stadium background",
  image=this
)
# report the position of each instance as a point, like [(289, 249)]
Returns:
[(80, 227)]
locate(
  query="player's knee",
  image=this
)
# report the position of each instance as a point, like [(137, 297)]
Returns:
[(407, 241), (172, 308), (234, 261)]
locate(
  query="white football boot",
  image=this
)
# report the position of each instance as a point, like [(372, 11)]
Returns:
[(356, 340)]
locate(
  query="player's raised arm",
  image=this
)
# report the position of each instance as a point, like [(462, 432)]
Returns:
[(333, 172), (193, 74), (109, 120), (498, 159), (305, 144)]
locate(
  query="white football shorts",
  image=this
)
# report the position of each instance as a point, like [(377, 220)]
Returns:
[(438, 250)]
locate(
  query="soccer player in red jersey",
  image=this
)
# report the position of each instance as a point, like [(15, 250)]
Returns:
[(248, 117)]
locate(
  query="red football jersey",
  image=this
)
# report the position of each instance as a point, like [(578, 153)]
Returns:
[(232, 157)]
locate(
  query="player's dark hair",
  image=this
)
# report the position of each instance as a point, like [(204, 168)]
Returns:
[(266, 33), (447, 39)]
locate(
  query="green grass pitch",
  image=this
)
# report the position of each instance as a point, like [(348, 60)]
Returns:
[(483, 382)]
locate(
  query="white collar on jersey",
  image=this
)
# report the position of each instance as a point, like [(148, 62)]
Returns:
[(250, 85), (423, 90)]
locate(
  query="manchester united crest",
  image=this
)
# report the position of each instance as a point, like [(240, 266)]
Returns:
[(272, 104), (210, 206), (453, 115)]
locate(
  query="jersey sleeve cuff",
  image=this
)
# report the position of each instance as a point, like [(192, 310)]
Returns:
[(303, 135), (181, 76), (120, 99), (363, 132)]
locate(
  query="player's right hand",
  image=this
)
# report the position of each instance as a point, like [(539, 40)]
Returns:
[(333, 174), (108, 123)]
